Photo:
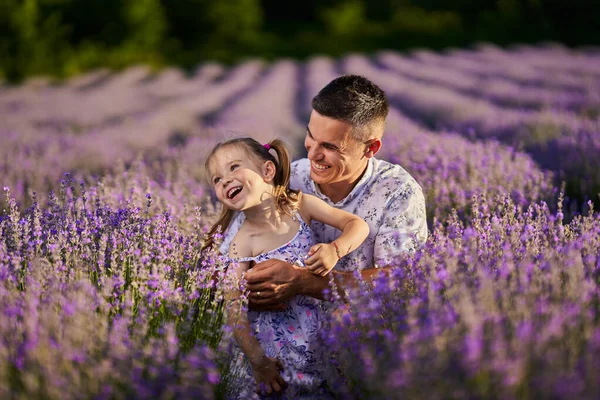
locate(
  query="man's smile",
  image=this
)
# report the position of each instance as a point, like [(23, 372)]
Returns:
[(319, 166)]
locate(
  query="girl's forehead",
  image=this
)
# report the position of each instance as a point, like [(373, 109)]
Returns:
[(226, 154), (229, 153)]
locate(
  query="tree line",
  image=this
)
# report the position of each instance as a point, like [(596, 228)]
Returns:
[(66, 37)]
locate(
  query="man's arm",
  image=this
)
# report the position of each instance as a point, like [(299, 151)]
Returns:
[(273, 282), (403, 230)]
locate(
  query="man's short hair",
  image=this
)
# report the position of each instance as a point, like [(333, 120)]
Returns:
[(357, 101)]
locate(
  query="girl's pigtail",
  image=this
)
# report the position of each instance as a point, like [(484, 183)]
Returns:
[(288, 200), (221, 224), (282, 176)]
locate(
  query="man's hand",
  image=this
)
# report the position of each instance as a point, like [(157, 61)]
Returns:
[(273, 282)]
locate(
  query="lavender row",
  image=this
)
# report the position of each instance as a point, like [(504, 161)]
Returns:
[(500, 91), (113, 100), (520, 73), (54, 106), (125, 105), (267, 110), (549, 59)]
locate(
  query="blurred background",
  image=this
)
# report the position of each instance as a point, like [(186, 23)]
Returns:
[(488, 96), (66, 37)]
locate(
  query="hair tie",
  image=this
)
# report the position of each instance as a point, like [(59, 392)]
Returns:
[(267, 146)]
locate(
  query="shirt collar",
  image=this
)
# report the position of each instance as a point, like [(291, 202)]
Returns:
[(355, 191)]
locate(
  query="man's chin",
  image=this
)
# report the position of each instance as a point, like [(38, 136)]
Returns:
[(318, 179)]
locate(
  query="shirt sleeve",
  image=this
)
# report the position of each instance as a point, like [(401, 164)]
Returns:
[(404, 224), (296, 176)]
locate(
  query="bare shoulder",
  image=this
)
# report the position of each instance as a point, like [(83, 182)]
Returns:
[(241, 244)]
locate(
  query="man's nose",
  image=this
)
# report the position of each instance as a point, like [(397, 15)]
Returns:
[(313, 152)]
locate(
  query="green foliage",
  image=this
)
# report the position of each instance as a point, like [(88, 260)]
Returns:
[(236, 28), (146, 23), (346, 19), (66, 37), (347, 28), (31, 41), (418, 20)]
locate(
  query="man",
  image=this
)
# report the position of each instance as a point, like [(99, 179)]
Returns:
[(343, 135)]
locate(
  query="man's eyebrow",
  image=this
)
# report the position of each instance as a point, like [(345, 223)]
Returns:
[(335, 146), (308, 131)]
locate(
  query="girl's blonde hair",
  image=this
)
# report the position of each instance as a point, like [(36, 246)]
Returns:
[(287, 200)]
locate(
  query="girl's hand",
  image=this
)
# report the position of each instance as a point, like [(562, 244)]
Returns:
[(268, 379), (321, 259)]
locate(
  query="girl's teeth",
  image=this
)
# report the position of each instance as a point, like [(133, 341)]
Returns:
[(232, 191)]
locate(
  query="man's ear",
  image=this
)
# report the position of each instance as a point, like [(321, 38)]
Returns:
[(268, 171), (373, 147)]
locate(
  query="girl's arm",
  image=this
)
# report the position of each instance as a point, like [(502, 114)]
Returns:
[(265, 369), (237, 318), (324, 256)]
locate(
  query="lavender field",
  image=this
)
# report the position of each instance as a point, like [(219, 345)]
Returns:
[(104, 206)]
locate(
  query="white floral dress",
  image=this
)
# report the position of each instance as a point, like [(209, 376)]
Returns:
[(292, 336)]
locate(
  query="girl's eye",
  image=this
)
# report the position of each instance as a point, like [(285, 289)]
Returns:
[(216, 180), (234, 167)]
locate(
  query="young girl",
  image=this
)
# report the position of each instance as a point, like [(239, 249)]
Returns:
[(279, 350)]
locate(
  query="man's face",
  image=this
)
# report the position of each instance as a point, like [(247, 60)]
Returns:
[(335, 156)]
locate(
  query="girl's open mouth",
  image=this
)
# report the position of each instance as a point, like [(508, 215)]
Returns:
[(231, 193)]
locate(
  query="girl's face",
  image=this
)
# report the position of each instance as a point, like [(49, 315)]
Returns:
[(238, 180)]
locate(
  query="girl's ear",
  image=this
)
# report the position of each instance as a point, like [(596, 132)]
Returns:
[(268, 171)]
